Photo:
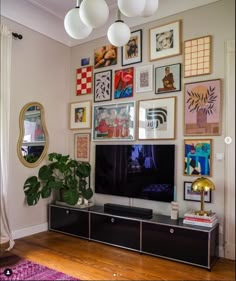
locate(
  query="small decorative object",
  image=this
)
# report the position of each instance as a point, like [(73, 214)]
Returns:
[(144, 80), (197, 157), (165, 41), (124, 83), (174, 214), (203, 108), (156, 119), (80, 115), (102, 86), (85, 61), (105, 56), (191, 195), (168, 78), (197, 56), (132, 51), (114, 121), (84, 76), (201, 185), (82, 147)]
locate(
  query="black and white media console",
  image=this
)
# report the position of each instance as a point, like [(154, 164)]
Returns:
[(139, 231)]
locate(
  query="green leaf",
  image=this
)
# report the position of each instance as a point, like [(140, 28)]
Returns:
[(33, 198), (46, 191), (83, 170), (45, 173), (55, 185), (70, 196), (87, 193), (31, 185)]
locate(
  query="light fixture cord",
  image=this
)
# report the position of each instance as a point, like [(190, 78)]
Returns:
[(118, 15), (78, 3)]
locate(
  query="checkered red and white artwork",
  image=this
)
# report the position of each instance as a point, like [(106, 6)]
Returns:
[(84, 80)]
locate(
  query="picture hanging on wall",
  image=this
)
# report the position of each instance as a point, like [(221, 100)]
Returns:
[(197, 157), (82, 147), (84, 76), (168, 78), (80, 115), (202, 108), (132, 51), (144, 78), (114, 121), (124, 83), (191, 195), (103, 86), (105, 56)]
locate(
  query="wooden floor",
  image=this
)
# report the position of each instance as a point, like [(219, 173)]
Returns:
[(89, 260)]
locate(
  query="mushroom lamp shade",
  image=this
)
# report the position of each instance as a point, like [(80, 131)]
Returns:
[(202, 185), (118, 33)]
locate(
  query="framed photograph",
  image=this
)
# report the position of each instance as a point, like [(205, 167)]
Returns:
[(202, 108), (143, 78), (168, 78), (105, 56), (132, 52), (82, 147), (114, 121), (103, 86), (197, 56), (80, 115), (191, 195), (85, 61), (165, 41), (124, 83), (84, 76), (156, 119), (197, 157)]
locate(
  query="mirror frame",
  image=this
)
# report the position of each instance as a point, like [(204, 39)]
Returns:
[(21, 135)]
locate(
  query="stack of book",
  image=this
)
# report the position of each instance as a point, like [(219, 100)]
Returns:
[(191, 218)]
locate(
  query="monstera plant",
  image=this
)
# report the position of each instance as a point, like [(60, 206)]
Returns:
[(69, 177)]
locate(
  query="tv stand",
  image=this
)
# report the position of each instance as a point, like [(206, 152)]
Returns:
[(128, 211)]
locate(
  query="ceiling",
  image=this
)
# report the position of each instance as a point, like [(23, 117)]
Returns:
[(47, 16)]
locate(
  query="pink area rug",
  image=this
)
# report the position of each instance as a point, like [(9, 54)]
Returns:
[(15, 268)]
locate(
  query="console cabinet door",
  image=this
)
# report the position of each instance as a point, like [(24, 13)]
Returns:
[(177, 243), (116, 231), (70, 221)]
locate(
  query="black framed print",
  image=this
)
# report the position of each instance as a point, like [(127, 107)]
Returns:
[(191, 195), (103, 86)]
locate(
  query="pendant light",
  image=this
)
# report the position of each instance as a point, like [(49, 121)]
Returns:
[(74, 25), (150, 8), (131, 8)]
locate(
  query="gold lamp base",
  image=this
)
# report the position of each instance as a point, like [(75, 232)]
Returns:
[(203, 213)]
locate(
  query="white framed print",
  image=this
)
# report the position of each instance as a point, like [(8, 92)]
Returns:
[(144, 78)]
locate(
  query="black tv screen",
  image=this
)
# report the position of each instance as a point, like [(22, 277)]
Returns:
[(142, 171)]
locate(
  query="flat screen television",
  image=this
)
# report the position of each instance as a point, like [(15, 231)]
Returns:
[(144, 171)]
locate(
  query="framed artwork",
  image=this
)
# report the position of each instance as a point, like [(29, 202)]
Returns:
[(168, 78), (84, 76), (197, 56), (80, 115), (156, 119), (132, 52), (114, 121), (105, 56), (124, 83), (85, 61), (191, 195), (197, 157), (82, 147), (165, 41), (202, 108), (143, 78), (102, 86)]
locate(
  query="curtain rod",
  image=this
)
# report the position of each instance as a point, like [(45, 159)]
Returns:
[(16, 35)]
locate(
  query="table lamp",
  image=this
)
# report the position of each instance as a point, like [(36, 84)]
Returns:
[(202, 185)]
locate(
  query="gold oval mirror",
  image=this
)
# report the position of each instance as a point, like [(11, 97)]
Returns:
[(32, 145)]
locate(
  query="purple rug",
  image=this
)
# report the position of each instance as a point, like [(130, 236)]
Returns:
[(15, 268)]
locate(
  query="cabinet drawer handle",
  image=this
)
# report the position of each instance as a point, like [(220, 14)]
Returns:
[(67, 212), (172, 230), (112, 220)]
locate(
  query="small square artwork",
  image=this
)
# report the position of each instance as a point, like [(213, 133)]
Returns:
[(124, 83), (105, 56), (84, 80)]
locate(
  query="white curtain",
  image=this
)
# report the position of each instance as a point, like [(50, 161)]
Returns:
[(6, 49)]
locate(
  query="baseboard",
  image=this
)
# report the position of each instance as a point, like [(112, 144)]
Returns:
[(29, 230), (230, 251)]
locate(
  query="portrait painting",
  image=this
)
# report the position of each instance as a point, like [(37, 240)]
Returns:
[(124, 83), (105, 56), (80, 115)]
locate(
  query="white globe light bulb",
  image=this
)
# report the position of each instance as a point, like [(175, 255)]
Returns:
[(94, 13), (74, 26), (150, 8), (131, 8), (118, 33)]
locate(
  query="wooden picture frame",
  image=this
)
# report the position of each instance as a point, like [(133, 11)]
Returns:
[(168, 78), (165, 41), (80, 115), (105, 56), (191, 195), (198, 157), (103, 86), (82, 147), (84, 79), (131, 53), (197, 56), (124, 83), (202, 108), (144, 78), (114, 122), (156, 119)]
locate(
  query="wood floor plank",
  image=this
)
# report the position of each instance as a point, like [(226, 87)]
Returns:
[(90, 260)]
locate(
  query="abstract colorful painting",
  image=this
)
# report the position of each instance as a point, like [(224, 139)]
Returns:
[(84, 76), (124, 83)]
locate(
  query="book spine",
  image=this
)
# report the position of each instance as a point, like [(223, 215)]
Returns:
[(200, 223), (200, 219)]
